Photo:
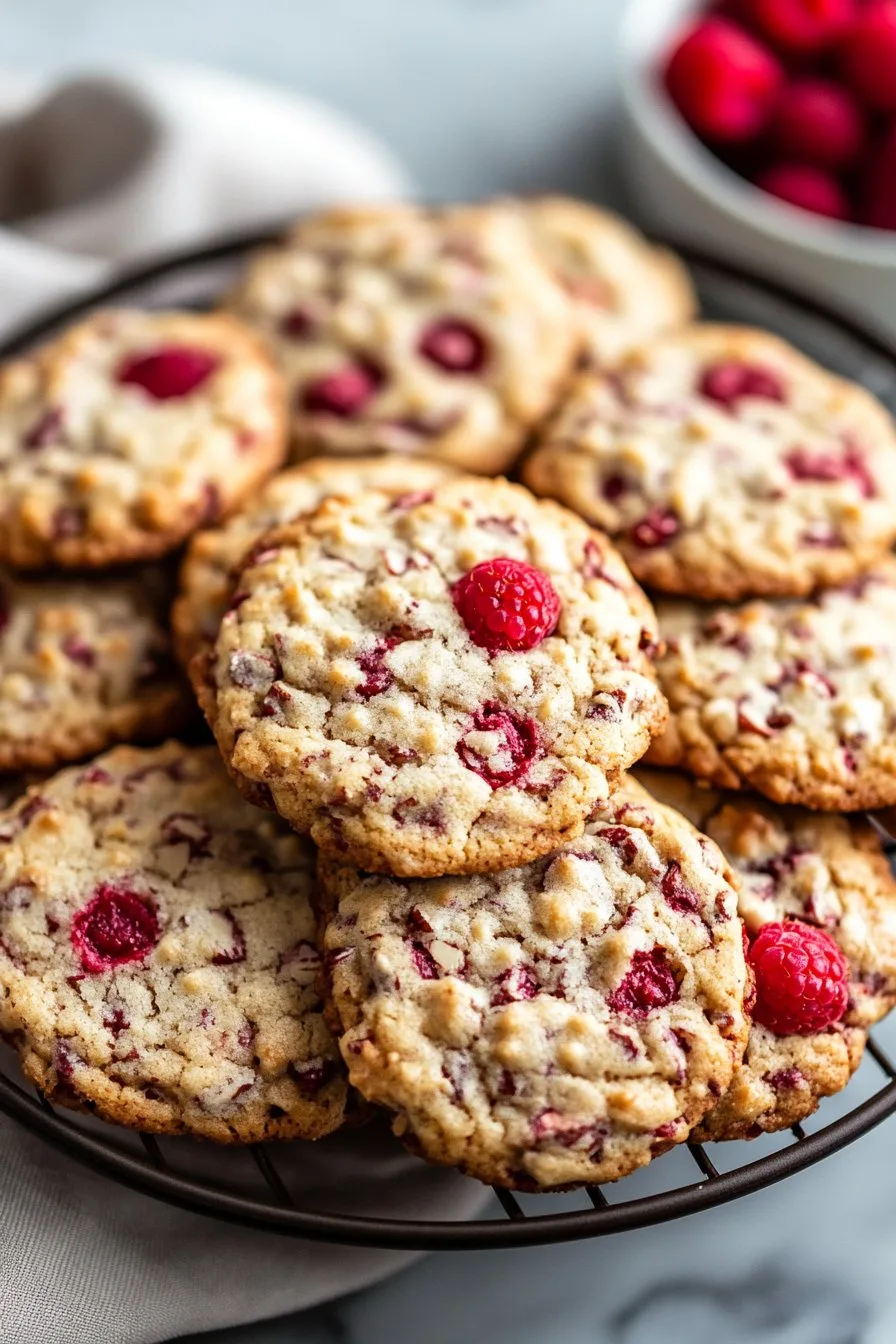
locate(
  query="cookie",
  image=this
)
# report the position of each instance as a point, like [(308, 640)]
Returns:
[(433, 684), (794, 700), (403, 329), (830, 872), (132, 429), (551, 1025), (85, 665), (726, 465), (157, 959), (624, 289), (205, 577)]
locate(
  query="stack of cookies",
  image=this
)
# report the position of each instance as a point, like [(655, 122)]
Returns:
[(414, 872)]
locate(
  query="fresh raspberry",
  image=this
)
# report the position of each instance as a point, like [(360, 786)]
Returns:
[(455, 346), (175, 371), (869, 55), (879, 205), (818, 122), (343, 393), (723, 82), (731, 379), (507, 604), (801, 979), (801, 27), (807, 188)]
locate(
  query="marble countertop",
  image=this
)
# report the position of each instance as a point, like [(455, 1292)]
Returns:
[(482, 95)]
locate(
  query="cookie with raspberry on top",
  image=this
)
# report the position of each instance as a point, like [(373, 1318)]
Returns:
[(443, 682), (725, 464), (130, 430)]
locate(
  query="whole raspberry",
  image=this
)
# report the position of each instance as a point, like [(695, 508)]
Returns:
[(818, 122), (801, 979), (869, 55), (801, 27), (879, 204), (807, 188), (723, 82), (507, 604)]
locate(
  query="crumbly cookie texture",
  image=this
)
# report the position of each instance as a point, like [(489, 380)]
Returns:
[(121, 437), (781, 1081), (409, 330), (206, 576), (831, 872), (157, 958), (555, 1024), (726, 465), (624, 289), (795, 700), (346, 691), (85, 665)]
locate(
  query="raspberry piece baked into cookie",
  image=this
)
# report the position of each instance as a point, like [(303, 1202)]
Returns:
[(85, 665), (726, 465), (550, 1025), (830, 874), (409, 330), (624, 289), (129, 431), (206, 581), (436, 683), (796, 700), (157, 959)]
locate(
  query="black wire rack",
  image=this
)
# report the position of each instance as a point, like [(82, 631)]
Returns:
[(170, 1169)]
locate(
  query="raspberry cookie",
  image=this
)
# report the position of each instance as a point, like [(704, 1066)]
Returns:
[(409, 330), (795, 700), (624, 290), (205, 577), (83, 666), (551, 1025), (726, 465), (157, 960), (132, 429), (831, 873), (437, 683)]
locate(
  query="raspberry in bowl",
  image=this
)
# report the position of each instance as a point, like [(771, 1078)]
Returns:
[(768, 124)]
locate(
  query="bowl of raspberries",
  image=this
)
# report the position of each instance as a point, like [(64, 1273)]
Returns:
[(766, 129)]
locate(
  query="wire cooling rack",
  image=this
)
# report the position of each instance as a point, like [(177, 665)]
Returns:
[(250, 1186)]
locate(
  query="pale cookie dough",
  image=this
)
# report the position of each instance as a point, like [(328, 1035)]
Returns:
[(206, 576), (726, 465), (157, 956), (85, 665), (552, 1025), (794, 700), (346, 691), (129, 431), (624, 289), (412, 330)]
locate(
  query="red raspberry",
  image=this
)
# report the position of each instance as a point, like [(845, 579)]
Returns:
[(507, 604), (343, 393), (723, 82), (879, 207), (807, 188), (801, 979), (801, 27), (173, 371), (818, 122), (869, 56)]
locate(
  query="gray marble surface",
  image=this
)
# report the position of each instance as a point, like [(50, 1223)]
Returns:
[(479, 95)]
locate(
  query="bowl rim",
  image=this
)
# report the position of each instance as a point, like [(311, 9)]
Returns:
[(644, 32)]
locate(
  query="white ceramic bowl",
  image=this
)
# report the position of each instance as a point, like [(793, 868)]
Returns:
[(687, 194)]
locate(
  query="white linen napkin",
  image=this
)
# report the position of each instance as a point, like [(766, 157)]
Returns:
[(95, 174)]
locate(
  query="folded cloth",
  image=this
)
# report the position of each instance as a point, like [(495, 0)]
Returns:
[(95, 174)]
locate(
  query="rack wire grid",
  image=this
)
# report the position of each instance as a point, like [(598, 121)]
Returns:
[(248, 1186)]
